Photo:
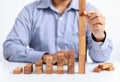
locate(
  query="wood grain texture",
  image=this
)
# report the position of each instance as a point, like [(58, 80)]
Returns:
[(28, 69), (18, 70), (60, 62), (49, 64), (105, 65), (82, 37), (71, 62), (38, 67), (97, 69)]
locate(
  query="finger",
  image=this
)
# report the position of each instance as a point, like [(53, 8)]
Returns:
[(94, 14), (54, 58), (97, 26), (97, 20)]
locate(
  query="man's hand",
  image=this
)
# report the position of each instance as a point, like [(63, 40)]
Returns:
[(96, 22), (55, 57), (65, 57)]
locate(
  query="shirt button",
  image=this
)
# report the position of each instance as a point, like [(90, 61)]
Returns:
[(60, 18), (58, 49), (59, 34)]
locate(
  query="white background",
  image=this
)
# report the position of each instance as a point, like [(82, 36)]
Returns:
[(9, 9)]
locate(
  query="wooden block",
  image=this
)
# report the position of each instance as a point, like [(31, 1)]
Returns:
[(71, 71), (38, 69), (49, 64), (39, 63), (28, 69), (82, 37), (60, 62), (18, 70), (97, 69), (60, 69), (49, 71), (71, 62), (110, 69), (105, 65)]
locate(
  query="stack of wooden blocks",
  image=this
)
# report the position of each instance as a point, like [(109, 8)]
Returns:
[(39, 67), (49, 64), (28, 69), (18, 70), (71, 61), (63, 57), (106, 66), (60, 63)]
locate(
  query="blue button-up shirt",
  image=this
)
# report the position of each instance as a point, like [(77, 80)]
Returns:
[(40, 29)]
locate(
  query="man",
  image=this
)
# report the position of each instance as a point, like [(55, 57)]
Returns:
[(47, 26)]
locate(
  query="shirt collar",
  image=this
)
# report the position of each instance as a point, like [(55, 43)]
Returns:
[(48, 3), (74, 5), (44, 4)]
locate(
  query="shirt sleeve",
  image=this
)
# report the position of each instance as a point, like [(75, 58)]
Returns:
[(16, 47), (99, 51)]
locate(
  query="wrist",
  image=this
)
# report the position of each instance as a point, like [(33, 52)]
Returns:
[(99, 38)]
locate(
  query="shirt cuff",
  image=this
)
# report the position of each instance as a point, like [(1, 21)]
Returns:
[(100, 45)]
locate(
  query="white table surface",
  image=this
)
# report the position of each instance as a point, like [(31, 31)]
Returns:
[(6, 75)]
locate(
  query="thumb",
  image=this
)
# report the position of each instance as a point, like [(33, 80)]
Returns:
[(91, 11)]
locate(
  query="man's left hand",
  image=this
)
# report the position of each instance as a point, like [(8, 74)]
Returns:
[(96, 23)]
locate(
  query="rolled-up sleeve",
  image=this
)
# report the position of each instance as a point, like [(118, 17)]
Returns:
[(99, 51)]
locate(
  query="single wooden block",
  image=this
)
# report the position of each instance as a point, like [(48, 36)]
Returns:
[(71, 62), (38, 69), (60, 69), (18, 70), (28, 69), (49, 71), (105, 65), (71, 71), (110, 69), (97, 69), (39, 63), (38, 72)]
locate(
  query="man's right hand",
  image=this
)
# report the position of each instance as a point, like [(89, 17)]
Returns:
[(55, 57)]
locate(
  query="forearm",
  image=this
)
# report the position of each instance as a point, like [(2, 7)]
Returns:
[(100, 51), (18, 53)]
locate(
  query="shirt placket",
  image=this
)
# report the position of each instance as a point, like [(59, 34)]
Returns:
[(60, 33)]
